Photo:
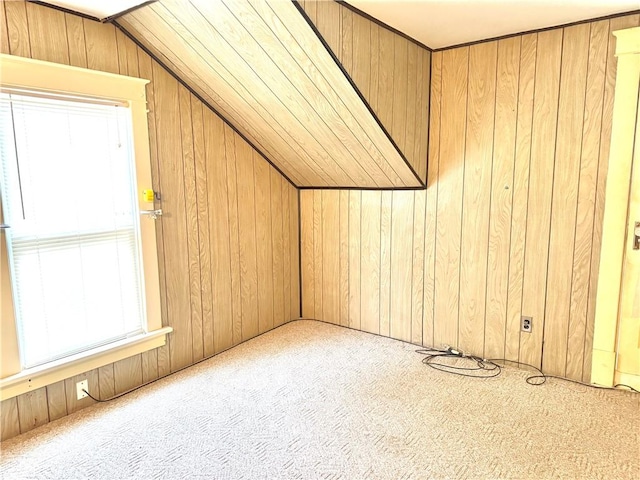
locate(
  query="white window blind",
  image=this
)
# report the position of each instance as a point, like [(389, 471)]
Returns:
[(68, 193)]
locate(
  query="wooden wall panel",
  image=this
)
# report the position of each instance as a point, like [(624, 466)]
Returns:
[(270, 74), (225, 207), (391, 72), (510, 223)]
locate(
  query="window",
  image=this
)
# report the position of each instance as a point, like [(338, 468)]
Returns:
[(82, 264)]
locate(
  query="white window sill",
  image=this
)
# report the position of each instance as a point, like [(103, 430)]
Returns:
[(43, 375)]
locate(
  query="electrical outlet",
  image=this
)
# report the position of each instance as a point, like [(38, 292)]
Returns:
[(526, 324), (83, 385)]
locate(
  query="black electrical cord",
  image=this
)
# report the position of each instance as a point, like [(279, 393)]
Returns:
[(489, 368)]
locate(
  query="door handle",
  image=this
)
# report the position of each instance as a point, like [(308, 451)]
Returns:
[(636, 236), (4, 226)]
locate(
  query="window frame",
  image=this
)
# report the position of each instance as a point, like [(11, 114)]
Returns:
[(36, 75)]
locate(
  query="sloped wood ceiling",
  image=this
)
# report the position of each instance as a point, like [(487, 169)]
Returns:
[(262, 67), (391, 72)]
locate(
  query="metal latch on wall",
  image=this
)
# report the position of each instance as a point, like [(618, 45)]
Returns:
[(152, 214), (636, 236)]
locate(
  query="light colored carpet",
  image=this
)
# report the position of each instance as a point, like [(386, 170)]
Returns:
[(311, 400)]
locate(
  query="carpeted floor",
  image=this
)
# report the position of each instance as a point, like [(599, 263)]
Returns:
[(311, 400)]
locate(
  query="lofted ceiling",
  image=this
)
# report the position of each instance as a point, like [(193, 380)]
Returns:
[(444, 23), (262, 67)]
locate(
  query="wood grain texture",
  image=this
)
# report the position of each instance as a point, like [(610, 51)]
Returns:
[(303, 111), (461, 262), (476, 199), (33, 409), (370, 261), (391, 72), (330, 241), (543, 143), (575, 57), (455, 66), (205, 175), (502, 190)]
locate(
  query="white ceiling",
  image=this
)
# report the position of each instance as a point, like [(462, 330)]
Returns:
[(443, 23), (97, 8)]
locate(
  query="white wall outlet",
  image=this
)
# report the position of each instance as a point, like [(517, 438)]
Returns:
[(83, 385)]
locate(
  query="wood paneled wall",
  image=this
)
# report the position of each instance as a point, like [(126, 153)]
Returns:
[(228, 240), (261, 65), (391, 72), (510, 223)]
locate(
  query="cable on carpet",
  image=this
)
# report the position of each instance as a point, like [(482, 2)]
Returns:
[(477, 367)]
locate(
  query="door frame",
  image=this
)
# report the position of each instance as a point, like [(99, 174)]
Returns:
[(625, 130)]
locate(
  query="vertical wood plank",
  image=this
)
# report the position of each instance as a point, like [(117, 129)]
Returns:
[(192, 231), (374, 68), (385, 262), (344, 257), (234, 240), (348, 39), (264, 243), (18, 28), (422, 119), (355, 199), (127, 373), (56, 400), (594, 96), (9, 420), (386, 58), (286, 248), (204, 236), (543, 141), (573, 74), (32, 409), (276, 235), (102, 47), (504, 134), (361, 54), (450, 185), (106, 381), (4, 33), (330, 240), (520, 200), (417, 282), (401, 264), (219, 232), (149, 365), (317, 255), (307, 249), (410, 139), (294, 205), (432, 201), (477, 195), (75, 40), (247, 231), (400, 67), (47, 32), (370, 261)]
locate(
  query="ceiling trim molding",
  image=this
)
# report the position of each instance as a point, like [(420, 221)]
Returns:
[(538, 30), (65, 10), (207, 104), (382, 24), (128, 10), (360, 95)]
